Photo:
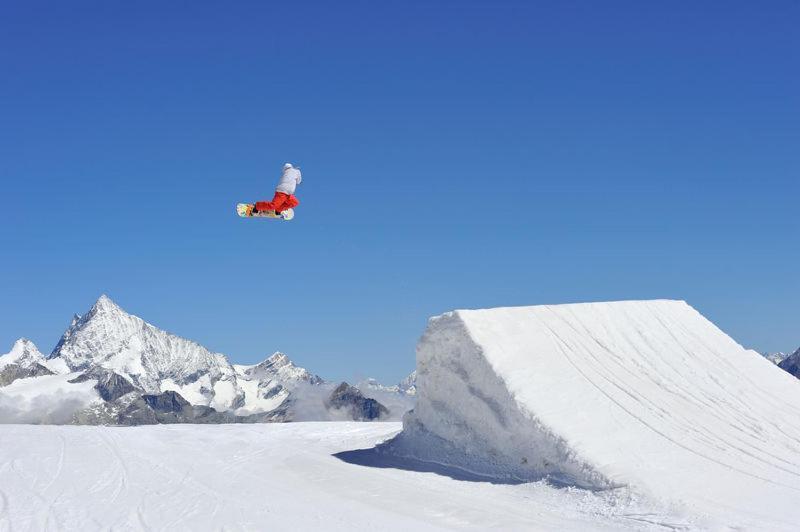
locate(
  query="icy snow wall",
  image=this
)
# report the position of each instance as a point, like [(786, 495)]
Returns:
[(647, 394)]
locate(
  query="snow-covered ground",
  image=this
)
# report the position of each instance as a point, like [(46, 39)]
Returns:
[(624, 415), (269, 477)]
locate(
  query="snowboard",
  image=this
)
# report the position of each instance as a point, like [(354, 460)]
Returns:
[(245, 210)]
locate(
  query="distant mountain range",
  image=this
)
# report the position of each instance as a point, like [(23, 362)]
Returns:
[(113, 368), (775, 358)]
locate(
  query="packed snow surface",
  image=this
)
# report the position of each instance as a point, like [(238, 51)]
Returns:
[(644, 394), (269, 477)]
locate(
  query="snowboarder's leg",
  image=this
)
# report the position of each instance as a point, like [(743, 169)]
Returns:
[(290, 203), (274, 205), (284, 204), (287, 209)]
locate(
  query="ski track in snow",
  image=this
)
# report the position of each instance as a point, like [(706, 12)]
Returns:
[(271, 476), (652, 407), (702, 433)]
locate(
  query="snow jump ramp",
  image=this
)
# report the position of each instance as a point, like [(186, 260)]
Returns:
[(644, 394)]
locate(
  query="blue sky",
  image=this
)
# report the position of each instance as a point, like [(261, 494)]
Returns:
[(455, 154)]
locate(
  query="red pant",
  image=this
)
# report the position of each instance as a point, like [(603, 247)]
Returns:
[(279, 203)]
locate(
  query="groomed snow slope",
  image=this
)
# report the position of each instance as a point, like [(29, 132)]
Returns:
[(646, 394), (276, 477)]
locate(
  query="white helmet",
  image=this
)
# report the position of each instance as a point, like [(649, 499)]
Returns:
[(287, 166)]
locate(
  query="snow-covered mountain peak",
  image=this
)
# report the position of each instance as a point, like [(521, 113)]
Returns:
[(23, 345), (280, 367), (24, 352), (775, 358), (278, 360), (110, 338), (105, 304), (106, 310), (409, 384)]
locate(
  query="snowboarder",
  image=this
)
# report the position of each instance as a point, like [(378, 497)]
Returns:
[(284, 198)]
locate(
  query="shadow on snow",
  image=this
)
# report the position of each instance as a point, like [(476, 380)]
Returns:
[(379, 458)]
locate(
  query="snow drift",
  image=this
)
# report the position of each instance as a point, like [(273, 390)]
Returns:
[(645, 394)]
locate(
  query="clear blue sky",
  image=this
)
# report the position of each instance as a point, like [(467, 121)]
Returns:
[(455, 154)]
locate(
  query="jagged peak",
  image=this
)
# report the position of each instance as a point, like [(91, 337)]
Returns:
[(24, 347), (24, 344), (23, 351), (279, 359), (280, 364), (105, 307), (275, 361), (105, 304)]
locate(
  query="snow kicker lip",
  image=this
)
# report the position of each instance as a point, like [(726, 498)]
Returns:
[(485, 431), (647, 394)]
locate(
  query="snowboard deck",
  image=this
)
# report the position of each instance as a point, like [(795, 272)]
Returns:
[(245, 210)]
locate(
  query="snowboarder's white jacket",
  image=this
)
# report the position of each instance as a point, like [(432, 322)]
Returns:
[(289, 179)]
